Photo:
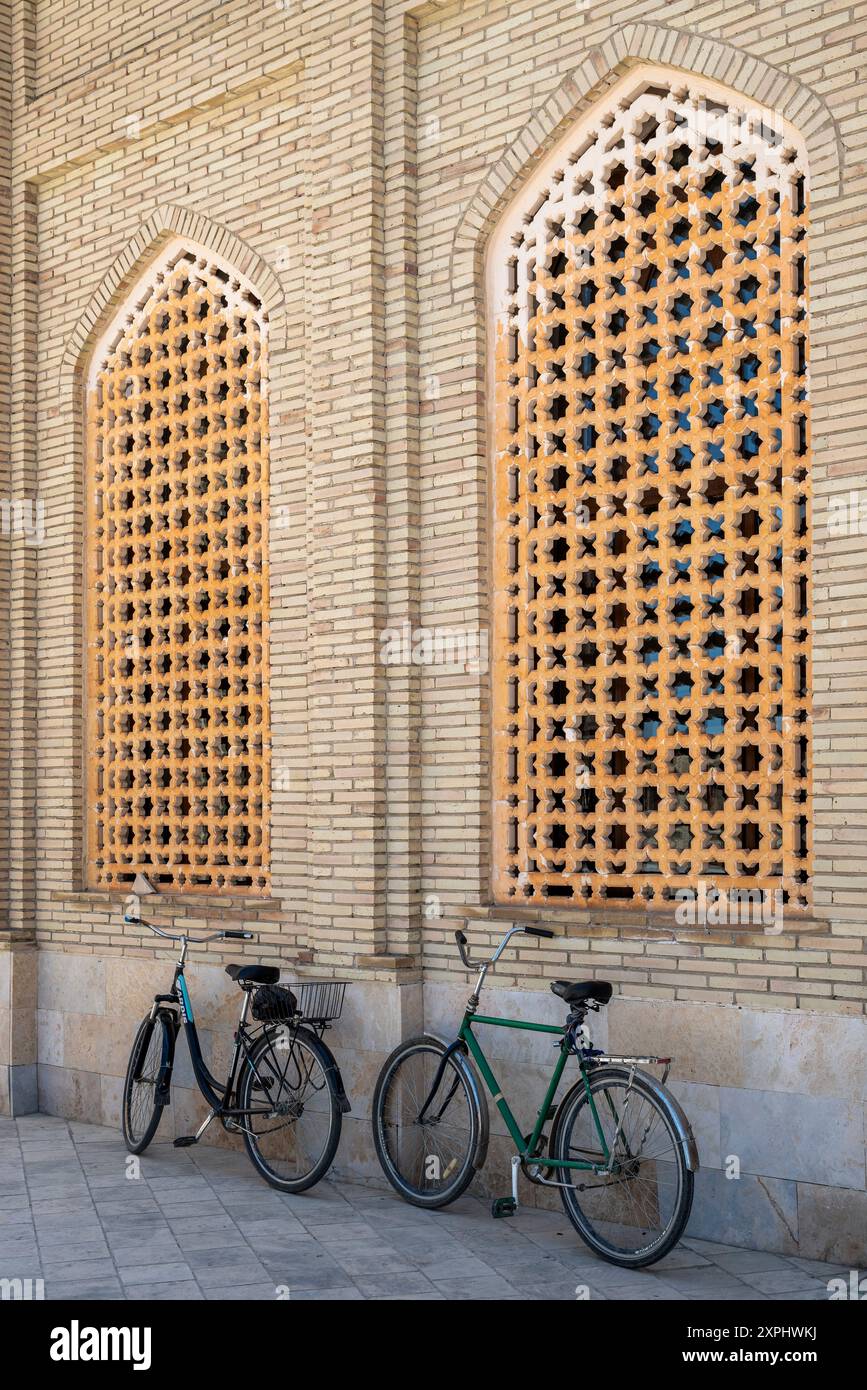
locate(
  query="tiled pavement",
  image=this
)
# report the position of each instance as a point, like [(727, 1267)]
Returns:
[(198, 1223)]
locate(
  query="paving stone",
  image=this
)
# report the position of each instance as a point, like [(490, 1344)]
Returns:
[(88, 1271), (115, 1206), (457, 1266), (168, 1273), (202, 1240), (779, 1281), (231, 1275), (234, 1241), (800, 1296), (14, 1226), (350, 1294), (187, 1291), (392, 1285), (77, 1291), (487, 1287), (650, 1291), (261, 1292), (341, 1233), (709, 1283), (321, 1277), (145, 1252), (93, 1249), (741, 1261)]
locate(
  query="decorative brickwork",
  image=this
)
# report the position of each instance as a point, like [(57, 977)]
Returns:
[(355, 171), (177, 586), (652, 692)]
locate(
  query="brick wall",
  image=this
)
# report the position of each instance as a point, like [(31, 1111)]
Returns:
[(492, 85), (353, 159)]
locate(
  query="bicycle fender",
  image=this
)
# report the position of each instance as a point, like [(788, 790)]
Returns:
[(457, 1050), (685, 1136), (337, 1078), (167, 1017)]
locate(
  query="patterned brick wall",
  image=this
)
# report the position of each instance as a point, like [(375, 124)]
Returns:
[(477, 80), (353, 161)]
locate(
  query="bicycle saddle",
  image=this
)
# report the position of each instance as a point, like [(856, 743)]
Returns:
[(254, 974), (598, 990)]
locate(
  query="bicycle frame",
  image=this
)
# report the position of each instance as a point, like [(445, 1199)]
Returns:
[(216, 1092), (587, 1058), (526, 1148)]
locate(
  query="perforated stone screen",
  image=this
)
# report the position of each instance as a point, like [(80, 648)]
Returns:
[(177, 586), (652, 626)]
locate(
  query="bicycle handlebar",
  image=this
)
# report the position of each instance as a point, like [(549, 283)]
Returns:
[(182, 936), (475, 965)]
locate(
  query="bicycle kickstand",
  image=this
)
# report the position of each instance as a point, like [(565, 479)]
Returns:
[(185, 1140), (507, 1206)]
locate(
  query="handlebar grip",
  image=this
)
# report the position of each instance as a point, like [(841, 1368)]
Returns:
[(462, 947), (538, 931), (238, 935)]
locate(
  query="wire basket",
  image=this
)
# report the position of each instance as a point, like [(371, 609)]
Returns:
[(314, 1001), (319, 1001)]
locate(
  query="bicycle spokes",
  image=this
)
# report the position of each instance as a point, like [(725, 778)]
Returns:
[(426, 1123), (292, 1111), (633, 1197)]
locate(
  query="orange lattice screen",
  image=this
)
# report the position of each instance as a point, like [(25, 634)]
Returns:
[(652, 658), (178, 743)]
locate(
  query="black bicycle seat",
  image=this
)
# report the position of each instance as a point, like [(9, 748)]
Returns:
[(254, 974), (598, 990)]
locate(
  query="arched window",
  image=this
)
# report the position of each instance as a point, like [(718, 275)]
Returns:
[(652, 548), (177, 585)]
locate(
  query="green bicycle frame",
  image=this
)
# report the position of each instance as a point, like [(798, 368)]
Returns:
[(527, 1147)]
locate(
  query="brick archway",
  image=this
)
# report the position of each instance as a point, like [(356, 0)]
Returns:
[(166, 222), (605, 65)]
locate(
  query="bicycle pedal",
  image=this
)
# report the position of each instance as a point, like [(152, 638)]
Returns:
[(503, 1206), (185, 1141)]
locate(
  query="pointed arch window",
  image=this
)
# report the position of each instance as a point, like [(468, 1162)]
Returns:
[(177, 584), (648, 350)]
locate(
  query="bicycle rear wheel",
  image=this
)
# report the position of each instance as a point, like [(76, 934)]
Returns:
[(637, 1213), (140, 1114), (289, 1082), (429, 1159)]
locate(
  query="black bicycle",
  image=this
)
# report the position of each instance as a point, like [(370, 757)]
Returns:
[(284, 1092)]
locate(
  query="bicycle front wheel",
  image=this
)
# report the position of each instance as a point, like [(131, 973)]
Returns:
[(427, 1157), (140, 1113), (635, 1213), (293, 1128)]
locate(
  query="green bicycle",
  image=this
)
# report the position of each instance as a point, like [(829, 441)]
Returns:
[(620, 1151)]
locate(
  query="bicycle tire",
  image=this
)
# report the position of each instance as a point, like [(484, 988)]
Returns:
[(466, 1169), (263, 1055), (137, 1137), (559, 1147)]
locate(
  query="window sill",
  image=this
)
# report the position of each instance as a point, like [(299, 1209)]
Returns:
[(188, 905), (609, 922)]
